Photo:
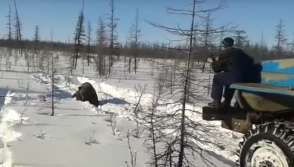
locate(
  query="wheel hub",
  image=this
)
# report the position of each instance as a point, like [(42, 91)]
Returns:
[(267, 154), (266, 164)]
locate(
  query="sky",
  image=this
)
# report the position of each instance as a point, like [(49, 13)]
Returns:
[(60, 16)]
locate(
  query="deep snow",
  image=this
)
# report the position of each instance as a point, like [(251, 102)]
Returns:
[(31, 137)]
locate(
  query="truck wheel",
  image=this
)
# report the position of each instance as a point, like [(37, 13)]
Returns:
[(268, 145)]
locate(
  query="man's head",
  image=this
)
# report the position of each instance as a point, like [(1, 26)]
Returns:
[(227, 43)]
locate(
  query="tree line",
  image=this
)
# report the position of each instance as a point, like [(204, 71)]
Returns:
[(105, 41)]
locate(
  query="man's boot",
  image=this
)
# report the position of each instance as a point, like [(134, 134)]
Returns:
[(214, 104), (225, 104)]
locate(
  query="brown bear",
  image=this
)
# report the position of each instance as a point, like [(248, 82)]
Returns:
[(87, 92)]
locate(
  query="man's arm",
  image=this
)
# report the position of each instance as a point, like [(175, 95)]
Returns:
[(221, 64)]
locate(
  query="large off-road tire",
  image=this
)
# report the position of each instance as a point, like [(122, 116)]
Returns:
[(267, 145)]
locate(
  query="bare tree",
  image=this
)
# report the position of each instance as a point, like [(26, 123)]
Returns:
[(113, 44), (18, 35), (154, 124), (133, 153), (79, 37), (138, 131), (135, 34), (89, 41), (240, 38), (292, 46), (187, 85), (222, 34), (195, 38), (280, 38), (9, 28), (101, 47), (36, 40), (52, 86), (9, 38), (207, 34), (53, 72), (207, 37), (177, 147), (36, 48), (128, 59)]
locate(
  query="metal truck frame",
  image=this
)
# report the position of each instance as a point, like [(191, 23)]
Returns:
[(264, 113)]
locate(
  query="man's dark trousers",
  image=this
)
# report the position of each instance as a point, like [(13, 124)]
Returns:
[(221, 80)]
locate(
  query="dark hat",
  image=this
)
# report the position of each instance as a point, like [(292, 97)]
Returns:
[(228, 41)]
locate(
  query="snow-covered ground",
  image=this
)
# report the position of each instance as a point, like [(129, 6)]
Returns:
[(78, 136)]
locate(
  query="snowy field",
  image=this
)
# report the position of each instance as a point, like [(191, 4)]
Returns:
[(78, 136)]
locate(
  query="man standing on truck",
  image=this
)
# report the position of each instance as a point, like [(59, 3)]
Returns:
[(231, 66)]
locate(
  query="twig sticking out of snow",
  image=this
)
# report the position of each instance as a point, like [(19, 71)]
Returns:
[(92, 140), (41, 135), (113, 123), (140, 89), (20, 83), (133, 153), (26, 102), (139, 130), (138, 109), (22, 115)]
